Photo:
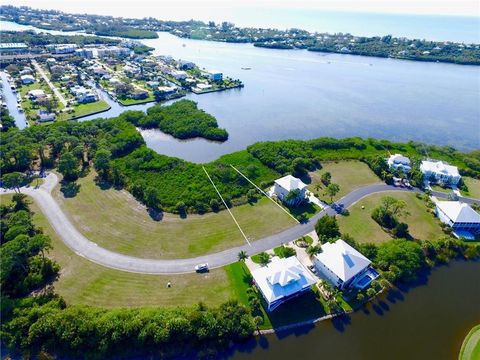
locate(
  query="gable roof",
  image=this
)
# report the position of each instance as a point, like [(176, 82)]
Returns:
[(282, 278), (342, 259), (290, 183), (459, 212)]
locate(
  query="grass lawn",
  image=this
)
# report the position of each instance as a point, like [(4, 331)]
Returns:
[(471, 345), (473, 187), (349, 175), (115, 220), (359, 224), (85, 109), (306, 210), (128, 102), (441, 189), (84, 282)]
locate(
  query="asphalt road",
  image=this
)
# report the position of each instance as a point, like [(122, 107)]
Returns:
[(91, 251)]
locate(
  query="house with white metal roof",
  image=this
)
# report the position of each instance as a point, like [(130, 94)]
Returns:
[(284, 187), (440, 172), (281, 280), (27, 79), (343, 266), (464, 221), (399, 162)]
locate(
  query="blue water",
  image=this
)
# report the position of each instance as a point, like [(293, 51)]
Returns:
[(431, 27)]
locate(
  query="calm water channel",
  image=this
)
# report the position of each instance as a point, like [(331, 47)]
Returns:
[(300, 94), (427, 322)]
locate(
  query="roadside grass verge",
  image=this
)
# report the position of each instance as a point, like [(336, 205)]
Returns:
[(84, 282), (349, 175), (471, 345), (473, 187), (359, 224), (115, 220)]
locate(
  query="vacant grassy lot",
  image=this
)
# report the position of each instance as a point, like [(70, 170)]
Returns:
[(471, 345), (115, 220), (473, 187), (85, 109), (359, 224), (349, 175), (84, 282)]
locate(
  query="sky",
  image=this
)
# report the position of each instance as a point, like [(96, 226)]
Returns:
[(186, 9)]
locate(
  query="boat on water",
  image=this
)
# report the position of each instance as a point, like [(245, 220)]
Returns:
[(246, 68)]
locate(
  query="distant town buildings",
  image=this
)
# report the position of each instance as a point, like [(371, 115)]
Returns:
[(281, 280), (440, 172), (13, 48), (215, 75)]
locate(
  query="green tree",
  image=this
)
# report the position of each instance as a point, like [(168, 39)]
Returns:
[(312, 250), (327, 228), (332, 190), (68, 166), (264, 258), (326, 178), (242, 256), (102, 162), (402, 256), (14, 181)]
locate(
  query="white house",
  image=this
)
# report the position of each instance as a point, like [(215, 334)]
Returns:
[(83, 95), (440, 172), (287, 184), (281, 280), (179, 75), (37, 95), (464, 221), (399, 162), (343, 266), (27, 79)]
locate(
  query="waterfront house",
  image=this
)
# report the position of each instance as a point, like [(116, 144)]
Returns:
[(440, 172), (343, 266), (399, 162), (139, 94), (83, 95), (27, 79), (185, 65), (290, 190), (281, 280), (215, 75), (464, 221), (179, 75)]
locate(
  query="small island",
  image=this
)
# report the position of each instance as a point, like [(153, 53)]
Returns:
[(183, 120)]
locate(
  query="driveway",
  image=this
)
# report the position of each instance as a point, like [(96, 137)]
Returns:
[(91, 251)]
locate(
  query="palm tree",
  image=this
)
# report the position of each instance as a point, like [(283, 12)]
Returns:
[(242, 256)]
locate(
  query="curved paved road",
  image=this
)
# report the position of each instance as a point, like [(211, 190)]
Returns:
[(91, 251)]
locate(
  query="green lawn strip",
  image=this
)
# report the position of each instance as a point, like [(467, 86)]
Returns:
[(359, 224), (256, 259), (441, 189), (115, 220), (471, 345), (84, 282), (85, 109), (306, 210), (473, 187), (349, 175), (127, 102)]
